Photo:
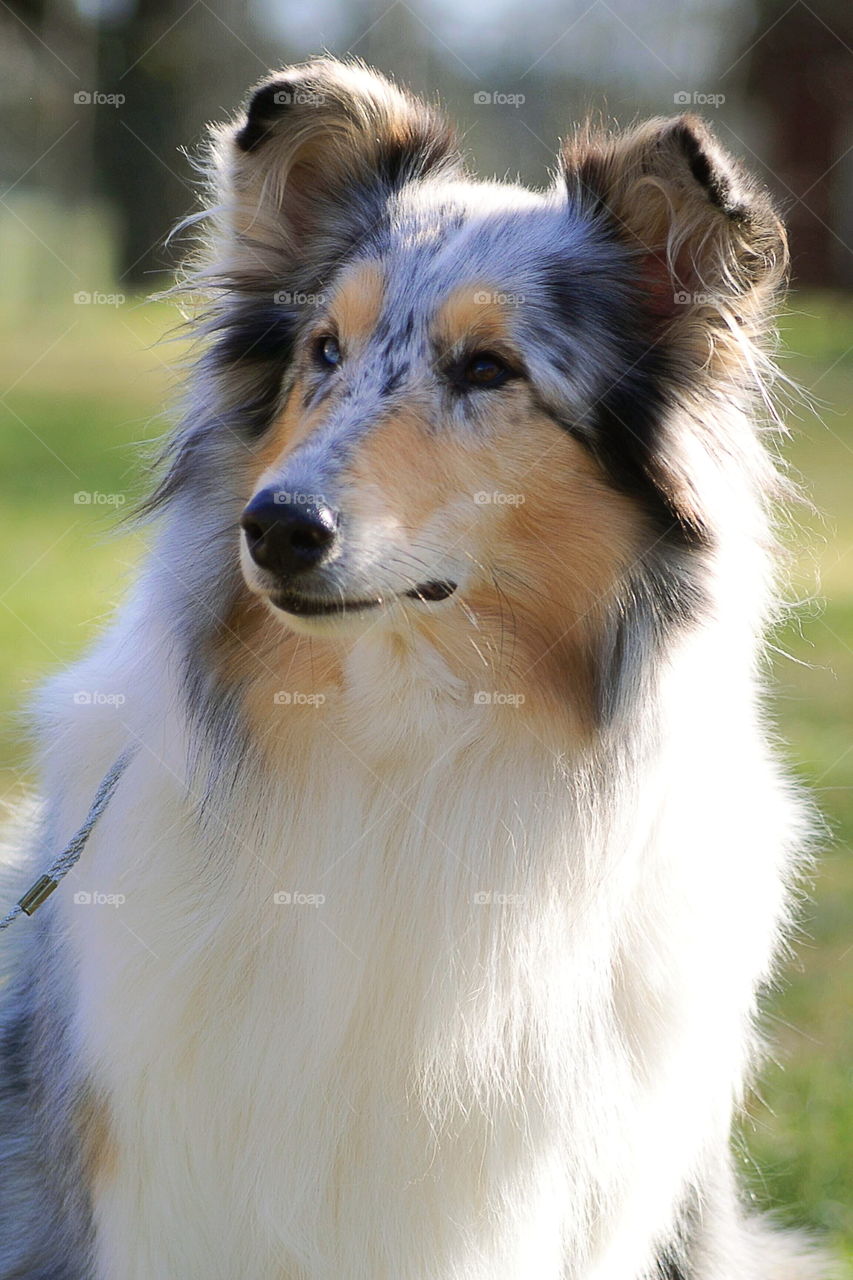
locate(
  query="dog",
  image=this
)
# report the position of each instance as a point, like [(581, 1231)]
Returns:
[(423, 936)]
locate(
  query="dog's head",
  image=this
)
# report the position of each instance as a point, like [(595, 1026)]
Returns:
[(443, 399)]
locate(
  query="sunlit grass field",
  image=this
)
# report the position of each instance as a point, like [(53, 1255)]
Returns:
[(83, 385)]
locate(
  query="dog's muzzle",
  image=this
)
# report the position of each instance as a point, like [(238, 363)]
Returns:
[(291, 537)]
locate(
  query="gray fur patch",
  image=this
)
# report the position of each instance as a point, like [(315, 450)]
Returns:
[(45, 1217)]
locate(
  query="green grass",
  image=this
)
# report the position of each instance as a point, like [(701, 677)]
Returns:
[(800, 1134), (86, 383)]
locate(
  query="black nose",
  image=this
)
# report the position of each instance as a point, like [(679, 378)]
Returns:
[(287, 533)]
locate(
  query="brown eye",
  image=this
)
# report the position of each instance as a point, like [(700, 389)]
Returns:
[(486, 370), (328, 351)]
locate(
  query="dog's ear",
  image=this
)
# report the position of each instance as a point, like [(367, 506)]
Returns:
[(710, 247), (307, 168)]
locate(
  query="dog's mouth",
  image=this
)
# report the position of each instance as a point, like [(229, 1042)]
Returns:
[(432, 591), (304, 606)]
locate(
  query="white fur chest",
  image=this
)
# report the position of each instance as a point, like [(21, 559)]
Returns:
[(374, 1019), (311, 1027)]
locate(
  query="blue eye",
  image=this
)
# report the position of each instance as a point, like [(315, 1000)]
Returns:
[(328, 351)]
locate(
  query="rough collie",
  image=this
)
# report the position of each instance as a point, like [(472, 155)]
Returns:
[(422, 937)]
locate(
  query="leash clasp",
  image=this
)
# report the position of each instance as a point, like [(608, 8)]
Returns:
[(37, 893)]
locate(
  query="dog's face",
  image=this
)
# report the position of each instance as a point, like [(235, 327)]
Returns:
[(464, 402), (429, 444)]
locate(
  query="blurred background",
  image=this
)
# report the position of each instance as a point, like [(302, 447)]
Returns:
[(103, 103)]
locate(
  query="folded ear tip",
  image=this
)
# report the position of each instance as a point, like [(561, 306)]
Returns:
[(709, 165), (268, 102), (727, 185), (305, 84), (691, 122), (397, 134)]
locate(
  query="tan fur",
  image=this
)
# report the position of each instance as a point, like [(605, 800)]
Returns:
[(289, 429), (462, 314), (354, 312), (569, 544), (252, 639), (358, 301), (98, 1148), (556, 555), (401, 469)]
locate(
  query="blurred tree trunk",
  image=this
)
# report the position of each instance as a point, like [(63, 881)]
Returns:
[(800, 77), (138, 166)]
